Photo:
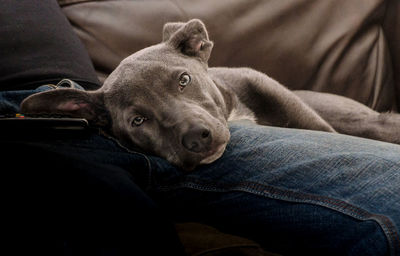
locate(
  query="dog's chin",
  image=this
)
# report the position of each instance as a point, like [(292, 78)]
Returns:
[(208, 158), (213, 155)]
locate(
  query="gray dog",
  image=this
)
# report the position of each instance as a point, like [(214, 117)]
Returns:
[(165, 100)]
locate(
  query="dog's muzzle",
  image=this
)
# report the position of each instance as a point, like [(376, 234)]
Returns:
[(197, 139)]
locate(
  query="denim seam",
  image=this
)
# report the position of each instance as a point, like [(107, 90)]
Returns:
[(343, 207), (149, 166)]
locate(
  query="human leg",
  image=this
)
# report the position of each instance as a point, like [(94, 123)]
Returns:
[(293, 191), (61, 199)]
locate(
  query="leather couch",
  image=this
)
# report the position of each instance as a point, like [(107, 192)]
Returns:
[(347, 47)]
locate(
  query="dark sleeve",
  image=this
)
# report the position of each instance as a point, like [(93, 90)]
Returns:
[(38, 46)]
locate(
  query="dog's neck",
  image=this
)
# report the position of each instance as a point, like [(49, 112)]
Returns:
[(233, 109)]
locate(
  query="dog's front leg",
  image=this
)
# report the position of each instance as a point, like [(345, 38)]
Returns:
[(271, 102)]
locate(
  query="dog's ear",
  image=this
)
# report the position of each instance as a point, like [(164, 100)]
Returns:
[(190, 38), (69, 102), (170, 28)]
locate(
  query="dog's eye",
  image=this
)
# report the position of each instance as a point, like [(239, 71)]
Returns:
[(184, 80), (138, 120)]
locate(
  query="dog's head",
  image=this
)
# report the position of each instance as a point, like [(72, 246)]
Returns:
[(160, 99)]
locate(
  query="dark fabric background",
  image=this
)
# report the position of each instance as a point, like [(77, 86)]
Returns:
[(38, 46)]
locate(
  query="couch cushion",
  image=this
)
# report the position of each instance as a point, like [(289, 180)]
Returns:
[(112, 30), (391, 27), (333, 46), (200, 239)]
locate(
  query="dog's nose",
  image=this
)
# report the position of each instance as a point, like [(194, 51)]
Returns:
[(197, 139)]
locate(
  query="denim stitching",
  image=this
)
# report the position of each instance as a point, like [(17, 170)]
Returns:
[(331, 203), (149, 167), (292, 196)]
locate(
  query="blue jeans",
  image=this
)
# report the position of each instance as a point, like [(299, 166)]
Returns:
[(293, 191)]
